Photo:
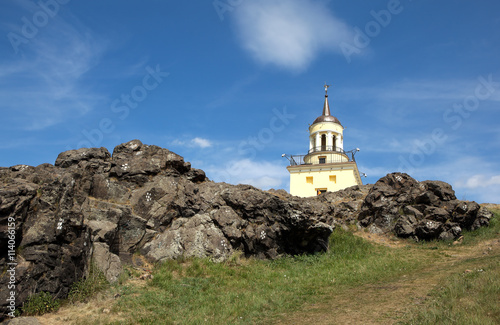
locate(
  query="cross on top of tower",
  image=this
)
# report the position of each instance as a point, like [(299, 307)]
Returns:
[(326, 89), (326, 116)]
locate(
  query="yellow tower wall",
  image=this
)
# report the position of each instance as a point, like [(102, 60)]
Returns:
[(306, 180)]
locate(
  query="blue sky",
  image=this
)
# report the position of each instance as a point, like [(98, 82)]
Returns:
[(232, 84)]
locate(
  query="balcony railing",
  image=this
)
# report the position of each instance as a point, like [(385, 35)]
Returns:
[(326, 148), (329, 156)]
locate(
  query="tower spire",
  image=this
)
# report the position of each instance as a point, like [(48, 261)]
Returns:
[(326, 107)]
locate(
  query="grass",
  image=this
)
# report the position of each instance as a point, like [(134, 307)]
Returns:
[(195, 291), (472, 237), (471, 297), (39, 304), (250, 291), (86, 288)]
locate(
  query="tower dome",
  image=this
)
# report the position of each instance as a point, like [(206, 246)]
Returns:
[(326, 116), (326, 132)]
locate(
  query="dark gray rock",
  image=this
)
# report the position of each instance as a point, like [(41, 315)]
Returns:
[(465, 213), (421, 210), (428, 229), (450, 231), (443, 191), (106, 261), (436, 213), (73, 158), (405, 226), (482, 218)]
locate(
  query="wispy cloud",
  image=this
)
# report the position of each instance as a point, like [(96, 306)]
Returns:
[(201, 142), (196, 142), (483, 187), (419, 89), (41, 86), (481, 180), (288, 33)]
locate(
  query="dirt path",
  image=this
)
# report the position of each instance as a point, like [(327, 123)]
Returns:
[(386, 303)]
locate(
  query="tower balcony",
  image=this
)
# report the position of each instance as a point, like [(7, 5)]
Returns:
[(320, 155), (326, 149)]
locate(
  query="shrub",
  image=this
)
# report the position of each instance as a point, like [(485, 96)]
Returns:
[(39, 304), (86, 288)]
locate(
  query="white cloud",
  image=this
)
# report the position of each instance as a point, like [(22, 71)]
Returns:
[(200, 142), (481, 180), (261, 174), (196, 142), (288, 33), (177, 142), (483, 188)]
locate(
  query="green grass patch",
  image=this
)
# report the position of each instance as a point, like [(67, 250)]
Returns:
[(469, 297), (86, 288), (39, 304), (484, 233), (195, 291)]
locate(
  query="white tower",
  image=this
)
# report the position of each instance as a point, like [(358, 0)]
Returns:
[(326, 167)]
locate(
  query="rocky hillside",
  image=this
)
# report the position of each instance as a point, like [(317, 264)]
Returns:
[(91, 205)]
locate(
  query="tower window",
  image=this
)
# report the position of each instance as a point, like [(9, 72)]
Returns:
[(333, 178), (322, 160), (309, 179)]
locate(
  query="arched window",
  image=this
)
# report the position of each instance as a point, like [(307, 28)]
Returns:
[(334, 143), (323, 142)]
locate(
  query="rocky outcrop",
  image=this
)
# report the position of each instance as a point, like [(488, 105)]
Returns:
[(51, 251), (92, 205), (421, 210)]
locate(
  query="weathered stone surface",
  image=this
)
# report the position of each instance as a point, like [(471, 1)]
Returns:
[(421, 210), (405, 226), (428, 229), (106, 261), (135, 161), (74, 157), (482, 219), (196, 236)]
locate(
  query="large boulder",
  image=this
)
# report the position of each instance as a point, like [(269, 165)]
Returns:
[(422, 210), (75, 158), (51, 244)]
